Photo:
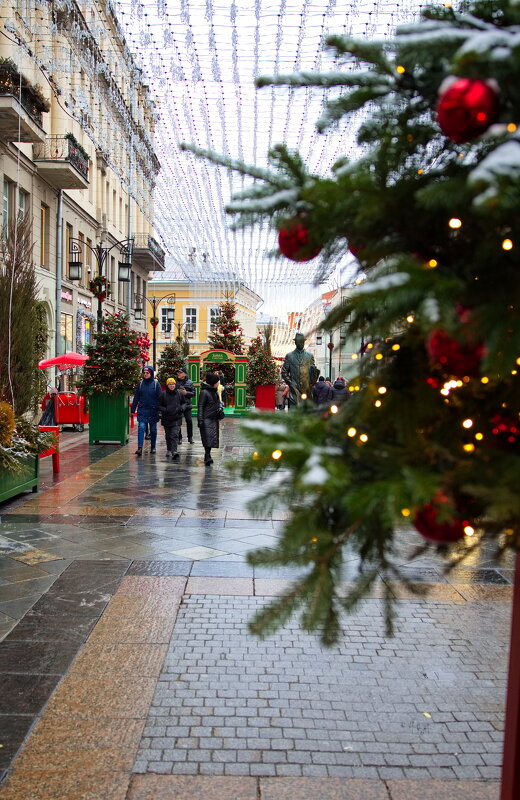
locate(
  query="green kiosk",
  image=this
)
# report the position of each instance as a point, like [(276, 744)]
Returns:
[(213, 359)]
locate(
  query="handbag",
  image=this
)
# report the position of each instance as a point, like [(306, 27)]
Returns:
[(220, 413)]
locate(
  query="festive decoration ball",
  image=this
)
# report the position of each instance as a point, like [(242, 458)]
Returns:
[(447, 531), (466, 108), (294, 241), (453, 357)]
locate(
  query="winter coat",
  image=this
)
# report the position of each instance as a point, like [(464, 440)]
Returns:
[(339, 391), (322, 393), (146, 397), (207, 415), (171, 406), (190, 390), (281, 392)]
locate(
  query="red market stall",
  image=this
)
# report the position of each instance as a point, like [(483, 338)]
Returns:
[(70, 408)]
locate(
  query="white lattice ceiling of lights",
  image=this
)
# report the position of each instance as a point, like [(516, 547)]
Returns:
[(201, 59)]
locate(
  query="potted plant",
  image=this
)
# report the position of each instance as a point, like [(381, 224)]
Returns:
[(21, 342), (110, 376), (261, 374)]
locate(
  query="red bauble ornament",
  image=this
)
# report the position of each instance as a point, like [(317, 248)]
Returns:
[(294, 241), (466, 108), (426, 521), (453, 357), (505, 430)]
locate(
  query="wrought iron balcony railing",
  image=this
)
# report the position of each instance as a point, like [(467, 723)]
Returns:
[(61, 148)]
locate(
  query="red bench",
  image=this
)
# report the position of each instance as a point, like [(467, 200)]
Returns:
[(52, 450)]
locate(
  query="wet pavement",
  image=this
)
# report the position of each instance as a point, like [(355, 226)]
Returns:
[(127, 670)]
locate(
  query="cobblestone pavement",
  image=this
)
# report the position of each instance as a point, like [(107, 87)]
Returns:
[(128, 673)]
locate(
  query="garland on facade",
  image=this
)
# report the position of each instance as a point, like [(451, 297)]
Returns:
[(81, 318)]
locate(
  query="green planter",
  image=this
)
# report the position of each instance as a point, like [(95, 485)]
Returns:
[(109, 418), (12, 483)]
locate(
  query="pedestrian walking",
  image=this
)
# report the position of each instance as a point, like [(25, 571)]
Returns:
[(339, 391), (171, 407), (187, 389), (146, 397), (209, 414), (321, 391), (281, 392)]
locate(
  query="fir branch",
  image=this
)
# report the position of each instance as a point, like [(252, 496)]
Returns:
[(327, 80), (236, 165), (371, 52)]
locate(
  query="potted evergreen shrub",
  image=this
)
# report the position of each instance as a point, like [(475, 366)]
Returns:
[(109, 377), (261, 375), (22, 344)]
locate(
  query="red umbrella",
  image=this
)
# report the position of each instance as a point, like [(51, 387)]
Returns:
[(65, 361)]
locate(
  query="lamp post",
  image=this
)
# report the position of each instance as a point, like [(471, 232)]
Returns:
[(100, 253), (155, 302)]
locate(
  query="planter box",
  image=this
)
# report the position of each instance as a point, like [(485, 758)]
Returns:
[(109, 419), (13, 483), (265, 397)]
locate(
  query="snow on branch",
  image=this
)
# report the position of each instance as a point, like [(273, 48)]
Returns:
[(261, 204), (236, 165), (317, 79)]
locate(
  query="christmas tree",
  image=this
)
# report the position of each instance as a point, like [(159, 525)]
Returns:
[(172, 358), (430, 436), (227, 333), (114, 363), (261, 368)]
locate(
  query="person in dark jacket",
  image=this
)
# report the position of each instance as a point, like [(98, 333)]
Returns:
[(187, 389), (146, 397), (208, 415), (321, 392), (171, 407), (339, 391)]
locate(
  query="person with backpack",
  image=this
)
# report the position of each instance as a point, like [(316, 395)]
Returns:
[(171, 409), (339, 390), (146, 398)]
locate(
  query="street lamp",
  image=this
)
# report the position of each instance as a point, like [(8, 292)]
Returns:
[(187, 327), (100, 253), (139, 305)]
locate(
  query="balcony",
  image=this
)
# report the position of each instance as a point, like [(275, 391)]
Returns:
[(62, 162), (21, 106), (148, 253)]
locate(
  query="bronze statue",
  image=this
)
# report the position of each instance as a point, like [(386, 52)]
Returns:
[(299, 372)]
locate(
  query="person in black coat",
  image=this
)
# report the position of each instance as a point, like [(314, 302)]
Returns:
[(171, 407), (208, 415), (186, 388), (321, 392), (339, 391)]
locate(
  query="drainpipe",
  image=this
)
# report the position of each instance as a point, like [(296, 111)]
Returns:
[(59, 247)]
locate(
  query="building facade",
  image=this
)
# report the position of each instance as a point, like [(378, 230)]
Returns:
[(76, 155), (195, 308)]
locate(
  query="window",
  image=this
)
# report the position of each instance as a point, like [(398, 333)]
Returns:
[(88, 262), (166, 324), (66, 332), (213, 314), (190, 318), (6, 206), (66, 254), (23, 204), (44, 237), (112, 278)]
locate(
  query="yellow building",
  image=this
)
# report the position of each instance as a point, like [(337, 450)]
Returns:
[(187, 310), (77, 156)]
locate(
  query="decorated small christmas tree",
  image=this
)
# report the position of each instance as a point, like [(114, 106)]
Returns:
[(227, 333), (261, 368), (171, 360), (431, 437), (114, 363)]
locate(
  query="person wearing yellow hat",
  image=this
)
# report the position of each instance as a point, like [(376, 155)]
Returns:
[(171, 409)]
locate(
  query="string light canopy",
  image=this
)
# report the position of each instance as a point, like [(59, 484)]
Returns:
[(199, 59), (202, 58)]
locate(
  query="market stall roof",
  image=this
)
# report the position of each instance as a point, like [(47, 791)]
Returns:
[(64, 361)]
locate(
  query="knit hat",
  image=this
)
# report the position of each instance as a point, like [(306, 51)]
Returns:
[(182, 369), (148, 369), (212, 379), (170, 382)]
